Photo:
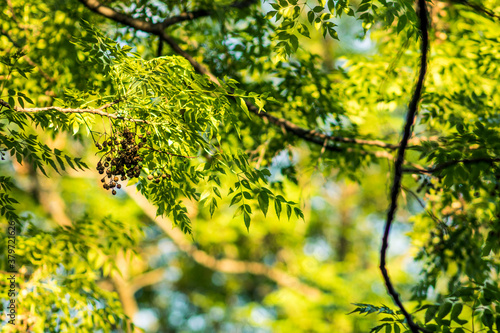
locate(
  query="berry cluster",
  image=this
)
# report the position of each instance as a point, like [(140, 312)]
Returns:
[(121, 159)]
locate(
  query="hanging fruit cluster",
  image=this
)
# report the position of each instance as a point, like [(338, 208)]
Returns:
[(121, 159)]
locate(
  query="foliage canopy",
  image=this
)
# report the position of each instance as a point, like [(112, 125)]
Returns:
[(122, 118)]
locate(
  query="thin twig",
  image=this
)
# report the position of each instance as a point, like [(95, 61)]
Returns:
[(398, 164), (422, 204), (99, 111)]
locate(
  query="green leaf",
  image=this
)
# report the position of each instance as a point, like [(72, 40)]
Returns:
[(238, 211), (456, 310), (401, 23), (244, 107), (487, 318), (310, 17), (237, 198), (277, 208), (444, 309), (303, 30), (294, 41), (318, 9), (263, 200), (318, 23), (430, 313), (213, 205), (271, 14), (298, 213), (246, 217)]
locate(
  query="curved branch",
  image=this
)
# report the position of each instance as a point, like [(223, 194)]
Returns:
[(398, 164), (229, 266)]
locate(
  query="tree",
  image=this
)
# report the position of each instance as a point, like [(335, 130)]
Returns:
[(121, 119)]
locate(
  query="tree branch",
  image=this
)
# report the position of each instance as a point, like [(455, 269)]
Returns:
[(313, 135), (99, 111), (189, 16), (398, 164), (229, 266), (147, 279), (447, 164), (478, 8), (108, 12), (186, 16)]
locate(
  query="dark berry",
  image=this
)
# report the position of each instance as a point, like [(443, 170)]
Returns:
[(114, 192)]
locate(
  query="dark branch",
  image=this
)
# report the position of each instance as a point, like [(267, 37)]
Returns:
[(160, 47), (189, 16), (448, 164), (313, 135), (478, 8), (138, 24), (398, 164)]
